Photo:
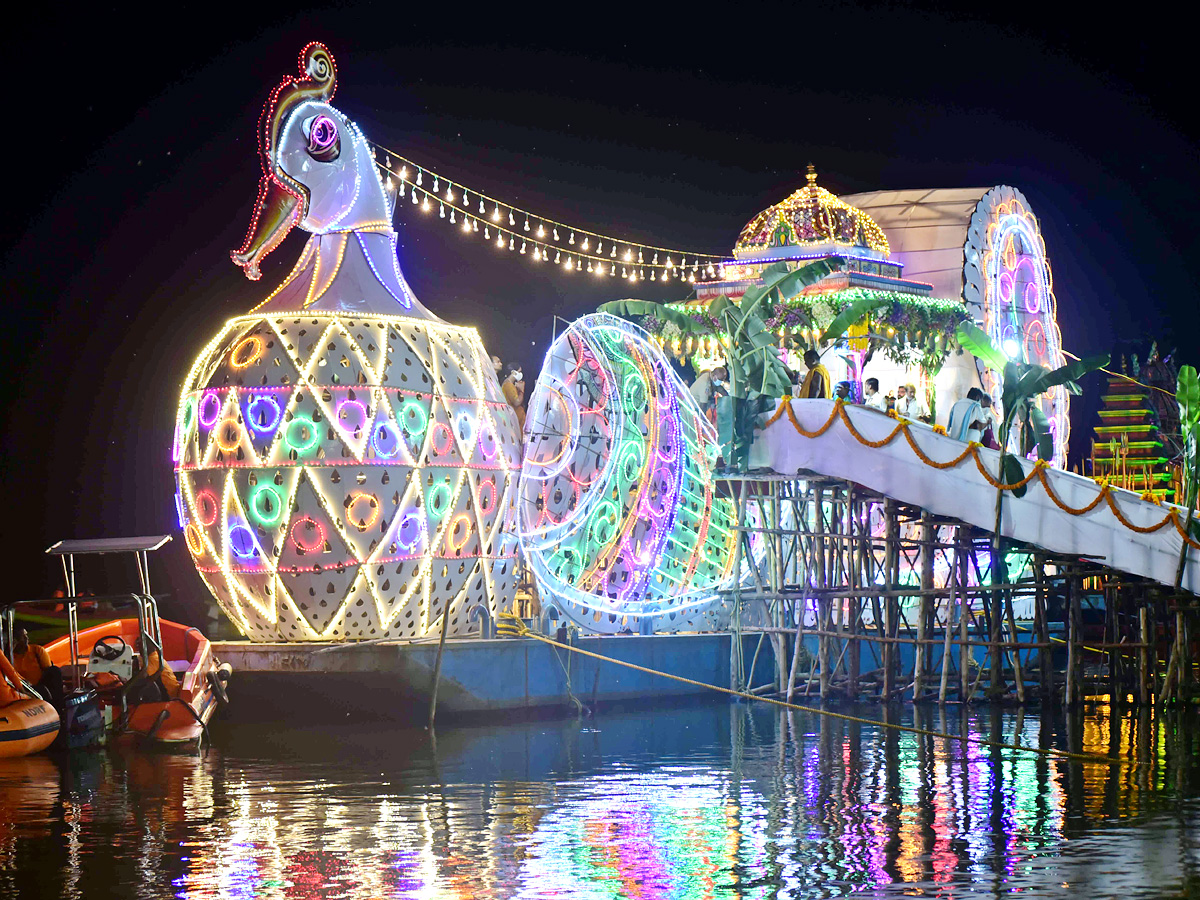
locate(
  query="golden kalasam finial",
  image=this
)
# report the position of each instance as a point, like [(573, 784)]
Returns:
[(812, 175)]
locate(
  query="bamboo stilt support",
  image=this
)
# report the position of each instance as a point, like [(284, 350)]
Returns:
[(1071, 695), (1042, 627), (964, 653), (1145, 687), (890, 605), (919, 660), (948, 629), (1018, 675)]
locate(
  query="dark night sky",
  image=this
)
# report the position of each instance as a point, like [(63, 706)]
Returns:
[(136, 169)]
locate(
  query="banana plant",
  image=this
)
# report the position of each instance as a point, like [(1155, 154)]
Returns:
[(1022, 384), (1187, 395), (756, 373)]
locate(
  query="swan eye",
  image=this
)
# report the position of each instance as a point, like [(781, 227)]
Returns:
[(323, 142)]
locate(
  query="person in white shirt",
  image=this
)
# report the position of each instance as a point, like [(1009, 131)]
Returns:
[(968, 418), (705, 386), (908, 403), (873, 397)]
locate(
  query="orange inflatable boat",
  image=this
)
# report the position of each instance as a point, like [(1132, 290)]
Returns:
[(27, 726), (168, 707)]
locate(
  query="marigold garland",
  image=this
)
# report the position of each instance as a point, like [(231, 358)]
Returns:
[(1039, 469)]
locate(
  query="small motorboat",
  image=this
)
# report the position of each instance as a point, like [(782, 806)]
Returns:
[(27, 726), (149, 678), (136, 695)]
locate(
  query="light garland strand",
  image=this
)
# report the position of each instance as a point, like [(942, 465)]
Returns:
[(508, 226)]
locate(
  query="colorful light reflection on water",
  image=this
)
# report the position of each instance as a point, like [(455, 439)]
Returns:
[(696, 802)]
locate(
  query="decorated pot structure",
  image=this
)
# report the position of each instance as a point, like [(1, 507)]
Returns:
[(346, 462), (617, 513)]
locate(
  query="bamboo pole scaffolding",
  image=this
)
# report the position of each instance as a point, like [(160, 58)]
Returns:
[(862, 596)]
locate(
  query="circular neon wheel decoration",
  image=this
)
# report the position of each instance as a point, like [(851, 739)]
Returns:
[(351, 408), (1007, 278), (228, 435), (416, 420), (301, 434), (386, 439), (189, 414), (241, 541), (616, 512), (266, 505), (247, 352), (206, 507), (210, 409), (304, 541), (488, 486), (437, 504), (409, 532), (195, 544), (460, 522), (487, 447), (441, 428), (263, 413), (357, 499)]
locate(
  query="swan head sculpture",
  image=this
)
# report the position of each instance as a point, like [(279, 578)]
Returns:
[(318, 172)]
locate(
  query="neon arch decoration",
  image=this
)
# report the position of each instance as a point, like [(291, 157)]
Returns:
[(1007, 278), (326, 444), (616, 511)]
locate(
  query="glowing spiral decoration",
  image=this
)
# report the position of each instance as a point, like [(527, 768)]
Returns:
[(1007, 275), (616, 510)]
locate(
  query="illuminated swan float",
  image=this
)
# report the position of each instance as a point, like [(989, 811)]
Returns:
[(346, 462), (348, 468)]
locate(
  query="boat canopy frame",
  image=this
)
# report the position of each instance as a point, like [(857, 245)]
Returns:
[(149, 629)]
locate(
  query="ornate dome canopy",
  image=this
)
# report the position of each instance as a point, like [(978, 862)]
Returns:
[(809, 219)]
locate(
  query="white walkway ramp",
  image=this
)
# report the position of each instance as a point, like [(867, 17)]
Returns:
[(1090, 525)]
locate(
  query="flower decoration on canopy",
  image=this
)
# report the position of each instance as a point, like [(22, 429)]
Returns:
[(811, 215)]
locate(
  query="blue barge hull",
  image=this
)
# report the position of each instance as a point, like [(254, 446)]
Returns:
[(392, 679)]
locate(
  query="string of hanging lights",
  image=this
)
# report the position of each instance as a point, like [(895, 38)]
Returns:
[(540, 237)]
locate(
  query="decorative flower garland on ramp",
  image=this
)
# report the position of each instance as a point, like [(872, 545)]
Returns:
[(1107, 492)]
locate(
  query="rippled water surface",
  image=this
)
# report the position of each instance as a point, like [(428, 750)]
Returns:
[(699, 801)]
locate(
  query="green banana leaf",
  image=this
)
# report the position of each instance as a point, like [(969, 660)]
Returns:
[(1187, 395), (849, 317), (1012, 473), (975, 340), (1039, 430)]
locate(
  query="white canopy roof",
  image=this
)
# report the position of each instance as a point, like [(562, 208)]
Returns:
[(926, 230)]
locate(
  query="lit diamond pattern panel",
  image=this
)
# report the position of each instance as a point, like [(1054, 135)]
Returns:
[(617, 514), (347, 477)]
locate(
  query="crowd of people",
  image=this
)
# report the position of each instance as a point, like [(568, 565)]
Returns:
[(971, 418)]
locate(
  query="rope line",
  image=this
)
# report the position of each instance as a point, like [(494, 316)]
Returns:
[(1106, 494), (512, 626)]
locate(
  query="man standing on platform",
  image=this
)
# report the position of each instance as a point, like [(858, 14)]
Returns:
[(707, 386), (816, 384), (968, 417)]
